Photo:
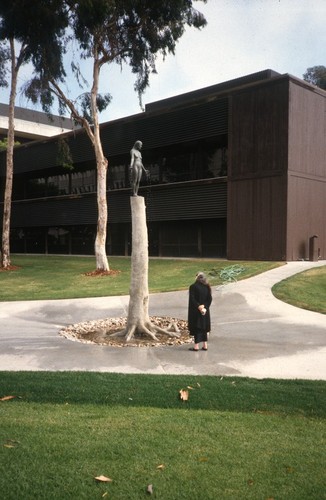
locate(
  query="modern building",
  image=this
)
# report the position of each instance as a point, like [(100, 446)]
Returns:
[(237, 170), (31, 125)]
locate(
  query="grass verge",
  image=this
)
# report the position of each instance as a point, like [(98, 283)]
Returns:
[(57, 277), (306, 290), (234, 438)]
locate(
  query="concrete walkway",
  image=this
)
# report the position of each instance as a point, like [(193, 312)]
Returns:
[(253, 334)]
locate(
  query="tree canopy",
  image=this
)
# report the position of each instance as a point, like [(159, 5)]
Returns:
[(39, 25), (316, 75), (131, 32)]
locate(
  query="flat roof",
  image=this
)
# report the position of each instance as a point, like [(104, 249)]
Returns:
[(33, 124)]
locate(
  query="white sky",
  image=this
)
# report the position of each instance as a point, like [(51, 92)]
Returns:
[(241, 37)]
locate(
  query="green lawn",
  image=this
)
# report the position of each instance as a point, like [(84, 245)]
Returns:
[(234, 439), (306, 290), (57, 277)]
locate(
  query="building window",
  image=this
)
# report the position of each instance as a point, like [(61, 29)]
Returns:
[(202, 159), (83, 182)]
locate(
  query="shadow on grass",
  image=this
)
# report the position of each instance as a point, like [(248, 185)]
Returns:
[(282, 397)]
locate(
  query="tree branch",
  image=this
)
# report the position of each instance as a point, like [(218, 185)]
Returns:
[(73, 110)]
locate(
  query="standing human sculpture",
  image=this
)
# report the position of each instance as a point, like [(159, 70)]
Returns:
[(136, 167)]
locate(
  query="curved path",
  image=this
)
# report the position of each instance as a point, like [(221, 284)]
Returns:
[(253, 334)]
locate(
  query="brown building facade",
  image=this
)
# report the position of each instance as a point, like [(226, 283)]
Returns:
[(277, 171), (238, 170)]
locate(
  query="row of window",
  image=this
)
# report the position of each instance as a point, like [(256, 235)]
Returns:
[(200, 160), (206, 238)]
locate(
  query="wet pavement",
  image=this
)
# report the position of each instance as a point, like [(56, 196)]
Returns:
[(253, 334)]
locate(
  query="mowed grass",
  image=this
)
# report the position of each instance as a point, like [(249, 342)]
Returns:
[(306, 290), (234, 439), (58, 277)]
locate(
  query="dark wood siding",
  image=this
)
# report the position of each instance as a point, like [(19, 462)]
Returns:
[(165, 128), (258, 132), (55, 212), (184, 201), (306, 216), (257, 172), (307, 171), (199, 121), (307, 131), (188, 201), (257, 215)]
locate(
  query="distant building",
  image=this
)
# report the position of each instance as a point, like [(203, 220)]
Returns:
[(31, 125), (238, 170)]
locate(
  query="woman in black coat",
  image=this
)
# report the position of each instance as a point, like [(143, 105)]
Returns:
[(199, 320)]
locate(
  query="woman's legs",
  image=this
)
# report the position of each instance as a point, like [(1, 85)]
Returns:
[(201, 337)]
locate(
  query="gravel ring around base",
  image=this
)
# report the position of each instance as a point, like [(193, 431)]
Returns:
[(95, 332)]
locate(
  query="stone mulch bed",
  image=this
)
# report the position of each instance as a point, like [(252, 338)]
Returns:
[(99, 332)]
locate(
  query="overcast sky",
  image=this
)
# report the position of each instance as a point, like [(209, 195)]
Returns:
[(241, 37)]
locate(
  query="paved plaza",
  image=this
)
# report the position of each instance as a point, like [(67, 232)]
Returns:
[(253, 334)]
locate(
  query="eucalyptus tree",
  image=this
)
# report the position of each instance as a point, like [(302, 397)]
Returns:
[(28, 32), (131, 32), (316, 75)]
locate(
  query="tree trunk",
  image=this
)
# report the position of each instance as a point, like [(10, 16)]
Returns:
[(5, 250), (138, 320), (102, 263), (138, 317), (93, 133)]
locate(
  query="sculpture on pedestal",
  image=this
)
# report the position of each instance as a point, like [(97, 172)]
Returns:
[(136, 167)]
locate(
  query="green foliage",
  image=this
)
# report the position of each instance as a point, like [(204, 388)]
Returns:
[(317, 76), (4, 144), (4, 57), (38, 25), (64, 157), (234, 438), (102, 101), (121, 31)]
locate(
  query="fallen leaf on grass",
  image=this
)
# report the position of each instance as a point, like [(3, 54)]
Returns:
[(6, 398), (11, 443), (189, 387), (105, 494), (162, 466), (150, 489), (184, 395), (103, 479), (203, 459)]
